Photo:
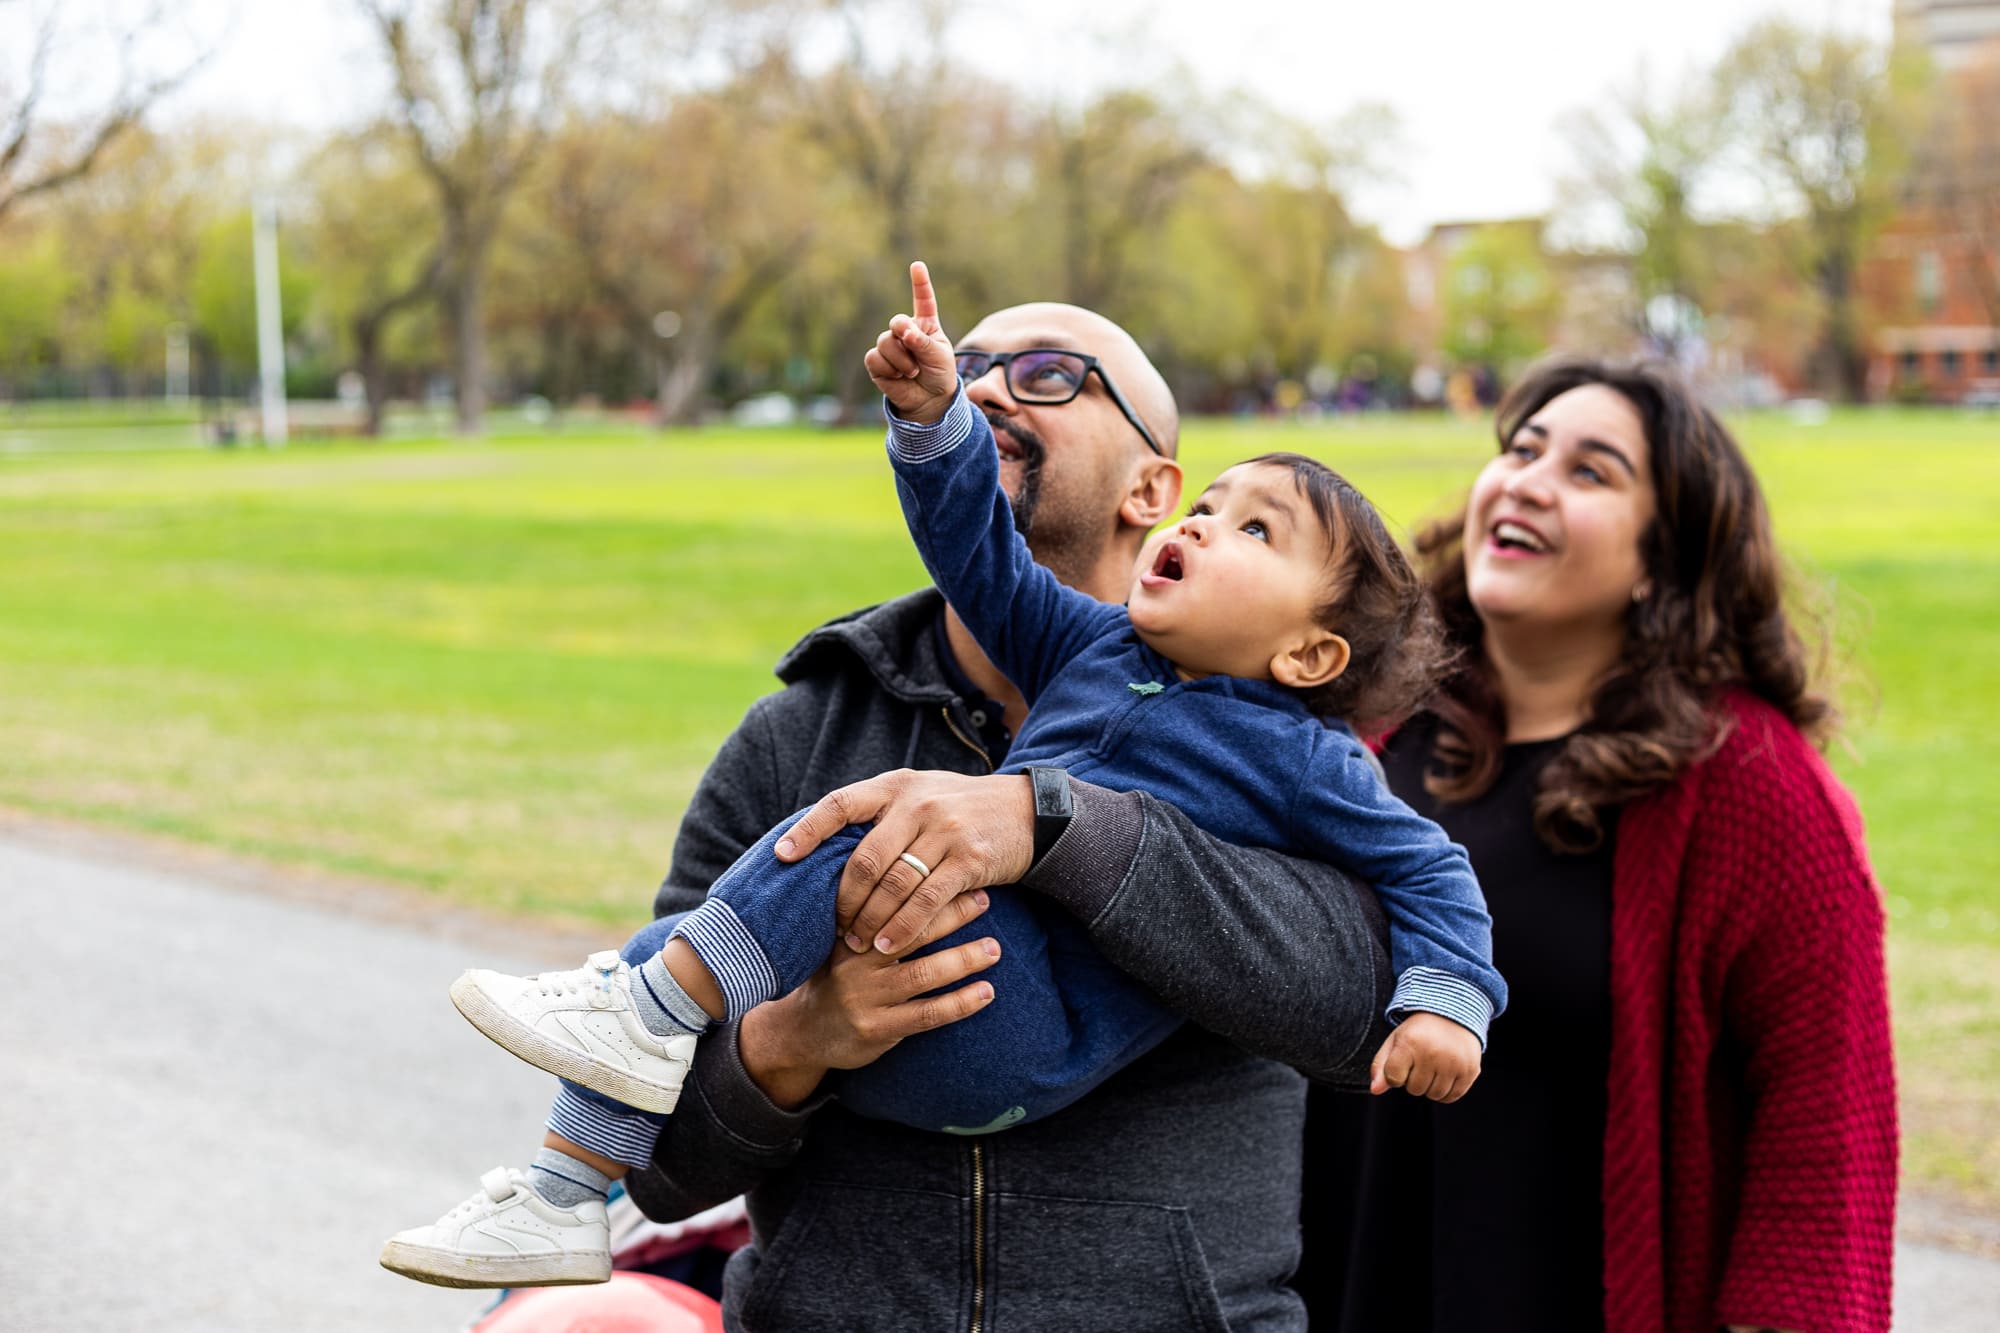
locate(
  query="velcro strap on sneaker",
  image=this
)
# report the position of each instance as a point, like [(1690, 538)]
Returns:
[(497, 1184)]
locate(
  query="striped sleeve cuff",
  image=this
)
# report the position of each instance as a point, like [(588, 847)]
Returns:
[(1430, 990), (732, 955), (913, 442)]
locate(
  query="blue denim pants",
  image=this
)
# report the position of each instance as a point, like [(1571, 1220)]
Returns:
[(1062, 1018)]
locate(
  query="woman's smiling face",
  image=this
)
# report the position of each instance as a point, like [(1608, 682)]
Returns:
[(1553, 528)]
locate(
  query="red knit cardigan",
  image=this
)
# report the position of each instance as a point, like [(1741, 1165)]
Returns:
[(1750, 1145)]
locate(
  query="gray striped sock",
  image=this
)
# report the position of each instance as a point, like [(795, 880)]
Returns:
[(662, 1003), (564, 1181)]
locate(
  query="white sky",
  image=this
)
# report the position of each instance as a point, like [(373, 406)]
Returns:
[(1478, 85)]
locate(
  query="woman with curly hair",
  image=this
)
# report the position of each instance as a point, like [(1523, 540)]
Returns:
[(1687, 1117)]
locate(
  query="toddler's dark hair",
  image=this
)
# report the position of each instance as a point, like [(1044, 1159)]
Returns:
[(1398, 653)]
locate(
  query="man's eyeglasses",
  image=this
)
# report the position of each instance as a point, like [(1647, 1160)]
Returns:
[(1050, 376)]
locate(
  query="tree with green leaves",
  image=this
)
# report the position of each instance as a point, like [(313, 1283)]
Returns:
[(1651, 159), (1823, 118), (1111, 172), (373, 250), (680, 223), (35, 286), (881, 123), (478, 85), (132, 233), (223, 300), (1500, 297), (1304, 252)]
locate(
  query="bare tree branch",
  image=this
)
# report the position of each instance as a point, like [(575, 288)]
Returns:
[(136, 95), (23, 119)]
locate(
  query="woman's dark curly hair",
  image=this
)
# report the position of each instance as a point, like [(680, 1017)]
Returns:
[(1374, 599), (1714, 618)]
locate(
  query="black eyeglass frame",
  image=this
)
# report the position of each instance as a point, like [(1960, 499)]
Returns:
[(1090, 364)]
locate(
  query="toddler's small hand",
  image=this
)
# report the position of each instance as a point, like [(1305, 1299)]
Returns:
[(1427, 1055), (912, 362)]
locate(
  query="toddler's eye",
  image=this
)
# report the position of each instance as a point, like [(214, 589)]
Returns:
[(1256, 528), (1200, 507)]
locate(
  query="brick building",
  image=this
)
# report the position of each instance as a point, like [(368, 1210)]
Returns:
[(1953, 31), (1931, 284), (1936, 340)]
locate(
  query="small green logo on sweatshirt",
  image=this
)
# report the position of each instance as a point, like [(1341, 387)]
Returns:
[(1145, 686), (1007, 1119)]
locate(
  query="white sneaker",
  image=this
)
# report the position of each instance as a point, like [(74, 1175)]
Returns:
[(580, 1025), (506, 1236)]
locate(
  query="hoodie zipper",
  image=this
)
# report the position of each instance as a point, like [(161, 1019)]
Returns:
[(978, 1148), (971, 744), (978, 1236)]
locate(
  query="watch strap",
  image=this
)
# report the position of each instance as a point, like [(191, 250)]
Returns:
[(1055, 806)]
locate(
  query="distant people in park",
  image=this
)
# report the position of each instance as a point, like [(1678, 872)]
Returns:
[(1147, 1173), (1461, 393), (1688, 1120)]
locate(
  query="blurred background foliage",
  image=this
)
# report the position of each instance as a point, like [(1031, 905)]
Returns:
[(673, 207)]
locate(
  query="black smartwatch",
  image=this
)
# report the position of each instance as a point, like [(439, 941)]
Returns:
[(1055, 806)]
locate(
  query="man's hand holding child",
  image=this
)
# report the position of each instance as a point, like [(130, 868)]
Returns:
[(912, 362), (1427, 1055)]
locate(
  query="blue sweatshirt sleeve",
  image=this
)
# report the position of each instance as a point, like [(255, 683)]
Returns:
[(948, 479), (1440, 936)]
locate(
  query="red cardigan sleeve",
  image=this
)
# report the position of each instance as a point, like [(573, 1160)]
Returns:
[(1805, 999)]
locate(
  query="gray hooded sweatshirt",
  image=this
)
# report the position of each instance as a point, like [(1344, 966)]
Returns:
[(1167, 1198)]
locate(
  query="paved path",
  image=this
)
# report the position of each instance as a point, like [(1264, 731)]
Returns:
[(218, 1102)]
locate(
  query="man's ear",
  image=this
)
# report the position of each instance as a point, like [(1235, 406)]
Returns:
[(1311, 662), (1154, 495)]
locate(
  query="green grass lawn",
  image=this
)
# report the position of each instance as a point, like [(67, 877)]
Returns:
[(495, 671)]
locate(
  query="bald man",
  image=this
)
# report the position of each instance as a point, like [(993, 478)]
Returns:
[(1085, 508), (1168, 1196)]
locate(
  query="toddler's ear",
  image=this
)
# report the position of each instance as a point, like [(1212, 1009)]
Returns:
[(1312, 662)]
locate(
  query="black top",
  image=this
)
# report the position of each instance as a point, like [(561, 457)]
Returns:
[(1486, 1213)]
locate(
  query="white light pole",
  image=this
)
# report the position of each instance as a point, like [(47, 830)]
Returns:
[(270, 323), (177, 364)]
